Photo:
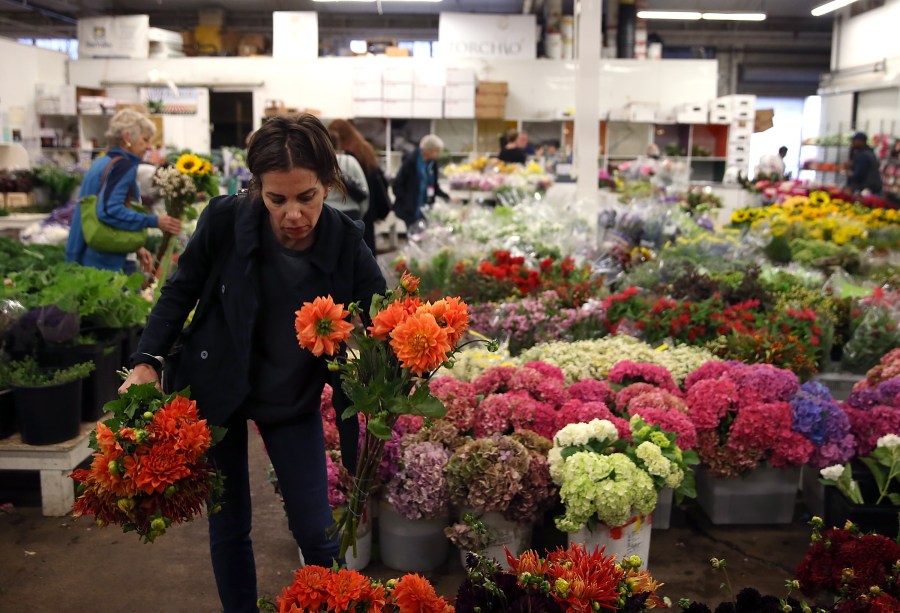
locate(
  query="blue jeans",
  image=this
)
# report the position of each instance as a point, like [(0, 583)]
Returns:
[(297, 452)]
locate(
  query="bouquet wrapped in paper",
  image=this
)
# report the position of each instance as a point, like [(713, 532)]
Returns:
[(150, 468), (386, 374)]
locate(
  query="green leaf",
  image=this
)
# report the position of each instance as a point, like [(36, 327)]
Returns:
[(217, 433), (894, 498), (876, 471), (379, 428), (431, 407)]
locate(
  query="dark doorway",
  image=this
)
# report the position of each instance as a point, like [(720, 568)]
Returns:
[(231, 116)]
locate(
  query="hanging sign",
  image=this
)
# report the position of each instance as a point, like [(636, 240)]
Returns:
[(487, 36)]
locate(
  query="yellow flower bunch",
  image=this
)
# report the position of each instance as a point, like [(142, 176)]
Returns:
[(191, 164)]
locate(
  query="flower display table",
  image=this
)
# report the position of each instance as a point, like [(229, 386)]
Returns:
[(55, 463)]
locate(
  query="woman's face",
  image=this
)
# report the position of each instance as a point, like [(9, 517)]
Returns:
[(138, 146), (294, 199)]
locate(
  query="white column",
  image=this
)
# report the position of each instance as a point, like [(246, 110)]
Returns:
[(587, 94)]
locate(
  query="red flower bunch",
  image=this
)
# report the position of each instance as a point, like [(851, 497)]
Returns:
[(505, 267), (316, 588), (150, 469), (860, 570)]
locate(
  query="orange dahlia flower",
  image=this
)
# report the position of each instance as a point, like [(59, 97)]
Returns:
[(344, 587), (106, 441), (420, 343), (385, 321), (307, 592), (409, 282), (159, 468), (321, 327), (194, 440), (113, 481), (415, 594), (452, 314)]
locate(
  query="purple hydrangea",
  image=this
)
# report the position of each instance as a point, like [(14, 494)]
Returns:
[(819, 418), (419, 489), (764, 383)]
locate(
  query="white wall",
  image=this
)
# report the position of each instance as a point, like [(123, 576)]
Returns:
[(868, 37), (23, 67), (785, 131), (538, 89), (878, 111)]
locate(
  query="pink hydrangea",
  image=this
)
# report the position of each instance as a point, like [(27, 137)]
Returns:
[(627, 394), (578, 412), (540, 387), (627, 372), (709, 401), (656, 399), (492, 416), (765, 383), (765, 429), (671, 421), (332, 436), (326, 407), (591, 390), (539, 417), (493, 380), (712, 370), (837, 451), (537, 495), (868, 425), (408, 424), (459, 398), (336, 483), (547, 370)]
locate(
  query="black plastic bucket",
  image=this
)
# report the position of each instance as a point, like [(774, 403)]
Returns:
[(48, 415)]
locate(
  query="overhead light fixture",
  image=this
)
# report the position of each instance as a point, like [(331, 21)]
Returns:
[(734, 16), (831, 6), (688, 15), (372, 1)]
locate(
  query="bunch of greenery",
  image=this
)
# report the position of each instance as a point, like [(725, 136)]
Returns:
[(27, 373), (60, 181), (16, 257)]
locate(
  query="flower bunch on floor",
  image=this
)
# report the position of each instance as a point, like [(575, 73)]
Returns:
[(858, 572), (149, 469), (316, 588), (572, 579), (387, 375), (743, 417)]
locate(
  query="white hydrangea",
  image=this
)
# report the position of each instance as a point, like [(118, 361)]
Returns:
[(652, 456), (603, 430), (832, 472), (555, 460), (574, 435), (889, 441)]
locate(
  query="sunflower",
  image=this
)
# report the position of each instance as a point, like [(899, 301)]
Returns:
[(189, 164), (321, 327)]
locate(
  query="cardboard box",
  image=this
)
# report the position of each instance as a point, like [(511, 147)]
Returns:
[(396, 52), (720, 105), (692, 115), (397, 108), (211, 17), (208, 39), (493, 87), (738, 150), (460, 76), (398, 91), (16, 200), (422, 91), (427, 109), (251, 44), (366, 74), (459, 109), (482, 99), (426, 74), (460, 91), (721, 116), (368, 108), (490, 107), (763, 119), (397, 74), (367, 91), (643, 114)]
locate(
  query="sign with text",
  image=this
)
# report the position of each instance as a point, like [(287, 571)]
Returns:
[(487, 36), (118, 37), (295, 35)]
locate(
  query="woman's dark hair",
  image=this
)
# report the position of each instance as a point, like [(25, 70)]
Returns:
[(286, 142)]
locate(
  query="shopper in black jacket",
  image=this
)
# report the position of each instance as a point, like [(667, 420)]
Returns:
[(253, 261), (864, 171), (416, 184)]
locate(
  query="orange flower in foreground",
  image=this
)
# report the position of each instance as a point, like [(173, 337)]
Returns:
[(115, 481), (529, 562), (452, 314), (414, 594), (344, 587), (409, 282), (106, 440), (420, 343), (307, 592), (321, 327), (194, 440), (158, 469), (385, 321)]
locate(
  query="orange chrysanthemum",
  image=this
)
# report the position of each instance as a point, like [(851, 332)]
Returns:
[(115, 482), (530, 562), (308, 591), (158, 469), (409, 282), (452, 314), (168, 421), (385, 321), (414, 594), (344, 587), (420, 343), (321, 327), (194, 440), (106, 441)]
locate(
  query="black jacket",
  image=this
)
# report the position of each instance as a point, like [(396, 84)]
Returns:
[(215, 360), (866, 173)]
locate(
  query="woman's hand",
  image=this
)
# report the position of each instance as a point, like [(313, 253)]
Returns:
[(145, 260), (169, 224), (142, 373)]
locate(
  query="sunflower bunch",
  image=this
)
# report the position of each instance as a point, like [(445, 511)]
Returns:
[(202, 173)]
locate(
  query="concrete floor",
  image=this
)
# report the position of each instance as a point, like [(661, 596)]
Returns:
[(61, 565)]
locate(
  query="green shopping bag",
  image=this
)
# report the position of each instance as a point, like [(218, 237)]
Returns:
[(105, 238)]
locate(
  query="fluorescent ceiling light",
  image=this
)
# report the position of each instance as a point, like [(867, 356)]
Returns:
[(691, 15), (371, 1), (358, 46), (831, 6), (735, 16)]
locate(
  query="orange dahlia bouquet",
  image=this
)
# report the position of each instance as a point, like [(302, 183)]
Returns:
[(386, 370), (150, 468), (316, 588)]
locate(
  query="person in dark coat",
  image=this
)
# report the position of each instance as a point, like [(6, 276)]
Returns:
[(253, 261), (416, 184), (510, 152), (864, 172)]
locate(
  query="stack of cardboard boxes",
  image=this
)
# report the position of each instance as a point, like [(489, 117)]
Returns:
[(739, 113), (459, 94), (490, 99)]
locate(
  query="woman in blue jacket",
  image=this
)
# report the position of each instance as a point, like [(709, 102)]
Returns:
[(129, 136), (252, 262)]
